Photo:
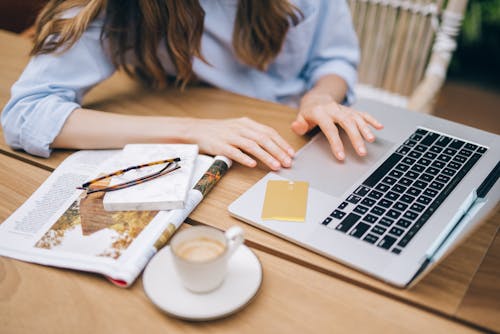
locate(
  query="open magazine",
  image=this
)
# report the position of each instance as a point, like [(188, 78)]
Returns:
[(61, 226)]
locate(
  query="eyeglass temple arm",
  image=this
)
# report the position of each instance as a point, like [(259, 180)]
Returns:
[(122, 171)]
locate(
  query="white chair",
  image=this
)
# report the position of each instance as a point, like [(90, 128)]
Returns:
[(406, 47)]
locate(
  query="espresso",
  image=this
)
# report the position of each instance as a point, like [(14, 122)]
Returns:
[(200, 249)]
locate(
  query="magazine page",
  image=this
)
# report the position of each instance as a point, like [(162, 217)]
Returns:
[(61, 226)]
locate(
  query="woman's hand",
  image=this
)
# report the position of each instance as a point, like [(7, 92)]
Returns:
[(241, 138), (322, 110)]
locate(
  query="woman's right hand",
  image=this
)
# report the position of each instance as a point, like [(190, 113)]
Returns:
[(242, 140)]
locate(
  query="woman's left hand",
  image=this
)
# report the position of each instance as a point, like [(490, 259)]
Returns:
[(322, 110)]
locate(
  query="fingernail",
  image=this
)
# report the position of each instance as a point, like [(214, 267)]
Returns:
[(275, 164), (362, 150), (341, 155), (288, 162), (291, 152)]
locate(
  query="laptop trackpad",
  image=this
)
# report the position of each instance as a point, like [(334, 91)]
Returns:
[(316, 164)]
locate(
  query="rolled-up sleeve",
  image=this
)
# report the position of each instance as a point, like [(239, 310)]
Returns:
[(335, 48), (50, 88)]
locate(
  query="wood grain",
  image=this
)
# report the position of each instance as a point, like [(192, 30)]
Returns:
[(441, 291), (482, 299), (292, 298)]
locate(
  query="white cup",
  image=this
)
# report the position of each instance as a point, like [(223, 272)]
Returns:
[(201, 254)]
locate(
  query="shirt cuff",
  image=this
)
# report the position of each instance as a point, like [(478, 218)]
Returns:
[(38, 135)]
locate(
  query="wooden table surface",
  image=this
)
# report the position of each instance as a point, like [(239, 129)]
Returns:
[(464, 290)]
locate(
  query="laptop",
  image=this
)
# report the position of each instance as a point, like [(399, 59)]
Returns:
[(424, 186)]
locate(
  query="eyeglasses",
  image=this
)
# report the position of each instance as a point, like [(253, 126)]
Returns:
[(170, 166)]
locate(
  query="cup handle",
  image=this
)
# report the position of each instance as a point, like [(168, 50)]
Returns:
[(234, 238)]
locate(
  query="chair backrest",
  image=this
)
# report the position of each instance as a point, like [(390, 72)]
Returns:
[(406, 47)]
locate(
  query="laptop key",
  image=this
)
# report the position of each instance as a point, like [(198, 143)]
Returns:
[(456, 144), (391, 196), (448, 172), (415, 155), (420, 184), (436, 185), (443, 141), (420, 148), (482, 150), (400, 206), (438, 164), (377, 229), (424, 200), (450, 151), (353, 199), (375, 194), (389, 180), (426, 177), (430, 138), (436, 149), (430, 192), (385, 203), (327, 221), (417, 207), (368, 201), (337, 214), (402, 167), (407, 199), (454, 165), (343, 205), (396, 231), (382, 187), (418, 168), (362, 191), (405, 181), (395, 173), (459, 158), (348, 222), (393, 214), (470, 146), (444, 157), (430, 155), (370, 218), (414, 191), (360, 209), (396, 250), (386, 222), (359, 230), (403, 149), (403, 223), (386, 242), (399, 189), (371, 238), (410, 215), (421, 131), (443, 178), (377, 210)]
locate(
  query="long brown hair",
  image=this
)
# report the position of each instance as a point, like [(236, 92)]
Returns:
[(140, 25)]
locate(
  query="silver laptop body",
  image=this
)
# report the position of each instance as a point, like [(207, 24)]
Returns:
[(332, 182)]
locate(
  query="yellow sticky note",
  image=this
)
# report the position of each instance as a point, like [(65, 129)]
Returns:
[(285, 200)]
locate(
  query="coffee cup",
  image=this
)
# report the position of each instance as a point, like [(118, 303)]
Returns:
[(201, 254)]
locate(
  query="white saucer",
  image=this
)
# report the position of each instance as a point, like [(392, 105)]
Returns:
[(163, 286)]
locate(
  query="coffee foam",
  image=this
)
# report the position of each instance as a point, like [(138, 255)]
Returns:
[(200, 249)]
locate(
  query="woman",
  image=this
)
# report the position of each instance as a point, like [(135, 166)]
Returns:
[(303, 53)]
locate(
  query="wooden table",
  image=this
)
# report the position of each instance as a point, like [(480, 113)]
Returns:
[(311, 293)]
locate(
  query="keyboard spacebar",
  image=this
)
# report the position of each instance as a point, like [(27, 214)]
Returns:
[(382, 170)]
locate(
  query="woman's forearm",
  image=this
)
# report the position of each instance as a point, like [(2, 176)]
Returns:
[(90, 129), (330, 85)]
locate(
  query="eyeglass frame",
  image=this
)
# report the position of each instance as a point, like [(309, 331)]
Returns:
[(124, 185)]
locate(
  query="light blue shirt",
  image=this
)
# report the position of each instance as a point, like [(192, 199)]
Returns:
[(53, 85)]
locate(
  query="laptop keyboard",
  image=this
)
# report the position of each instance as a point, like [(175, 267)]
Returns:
[(398, 198)]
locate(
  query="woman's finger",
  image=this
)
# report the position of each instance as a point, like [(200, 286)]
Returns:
[(252, 147), (371, 120), (269, 145), (346, 121), (363, 128)]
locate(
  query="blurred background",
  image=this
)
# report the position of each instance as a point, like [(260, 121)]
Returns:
[(471, 94)]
